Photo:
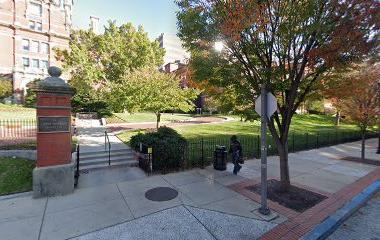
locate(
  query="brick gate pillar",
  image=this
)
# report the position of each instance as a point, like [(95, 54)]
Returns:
[(54, 172)]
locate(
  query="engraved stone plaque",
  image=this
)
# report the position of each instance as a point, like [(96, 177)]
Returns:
[(53, 124)]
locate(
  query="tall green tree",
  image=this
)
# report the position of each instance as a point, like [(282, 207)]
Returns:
[(286, 45), (148, 89), (96, 61)]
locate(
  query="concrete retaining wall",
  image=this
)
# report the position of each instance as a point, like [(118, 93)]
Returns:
[(28, 154)]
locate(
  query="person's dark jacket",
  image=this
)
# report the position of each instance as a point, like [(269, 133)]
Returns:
[(235, 147)]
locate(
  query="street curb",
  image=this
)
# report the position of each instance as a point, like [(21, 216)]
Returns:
[(16, 195), (328, 226)]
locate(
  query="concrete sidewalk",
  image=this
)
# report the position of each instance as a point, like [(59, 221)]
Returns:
[(91, 136), (205, 208)]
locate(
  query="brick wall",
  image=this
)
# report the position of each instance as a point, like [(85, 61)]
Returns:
[(29, 30)]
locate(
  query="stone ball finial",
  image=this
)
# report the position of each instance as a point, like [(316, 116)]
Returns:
[(54, 71)]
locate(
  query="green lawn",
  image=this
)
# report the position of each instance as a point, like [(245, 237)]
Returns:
[(126, 135), (300, 124), (146, 117), (15, 175), (16, 112)]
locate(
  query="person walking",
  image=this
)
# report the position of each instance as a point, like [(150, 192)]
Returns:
[(236, 151)]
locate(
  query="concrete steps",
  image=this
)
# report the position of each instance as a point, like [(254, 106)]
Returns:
[(100, 159)]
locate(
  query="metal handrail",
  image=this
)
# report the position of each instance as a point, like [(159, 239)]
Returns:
[(76, 175), (107, 140)]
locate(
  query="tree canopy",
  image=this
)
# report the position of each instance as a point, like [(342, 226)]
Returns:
[(358, 92), (286, 45), (95, 61), (362, 100), (148, 89)]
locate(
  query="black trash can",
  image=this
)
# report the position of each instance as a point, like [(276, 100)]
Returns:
[(220, 158)]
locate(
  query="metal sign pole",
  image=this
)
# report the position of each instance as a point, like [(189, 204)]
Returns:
[(264, 118)]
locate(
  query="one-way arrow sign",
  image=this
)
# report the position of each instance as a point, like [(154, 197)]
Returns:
[(272, 104)]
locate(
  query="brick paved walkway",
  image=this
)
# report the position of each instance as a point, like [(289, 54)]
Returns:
[(298, 224)]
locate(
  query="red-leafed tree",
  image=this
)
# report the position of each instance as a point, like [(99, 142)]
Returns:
[(286, 45), (361, 103)]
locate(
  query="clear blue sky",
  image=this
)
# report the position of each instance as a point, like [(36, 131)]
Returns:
[(156, 16)]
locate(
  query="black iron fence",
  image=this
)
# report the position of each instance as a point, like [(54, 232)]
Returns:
[(200, 153)]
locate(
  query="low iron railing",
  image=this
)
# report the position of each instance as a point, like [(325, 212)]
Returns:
[(145, 157), (14, 129)]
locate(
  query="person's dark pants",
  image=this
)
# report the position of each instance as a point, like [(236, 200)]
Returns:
[(235, 161)]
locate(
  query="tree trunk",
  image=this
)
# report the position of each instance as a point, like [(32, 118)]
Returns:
[(282, 147), (363, 144), (337, 118), (284, 166), (158, 119), (158, 115)]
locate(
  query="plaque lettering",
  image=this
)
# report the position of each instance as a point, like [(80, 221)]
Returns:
[(53, 124)]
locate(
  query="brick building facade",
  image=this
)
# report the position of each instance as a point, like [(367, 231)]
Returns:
[(29, 31)]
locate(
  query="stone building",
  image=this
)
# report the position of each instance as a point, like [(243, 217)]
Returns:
[(174, 52), (29, 31)]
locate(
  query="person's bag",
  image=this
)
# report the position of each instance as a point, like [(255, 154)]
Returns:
[(241, 160)]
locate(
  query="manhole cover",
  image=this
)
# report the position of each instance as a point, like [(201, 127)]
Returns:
[(161, 194)]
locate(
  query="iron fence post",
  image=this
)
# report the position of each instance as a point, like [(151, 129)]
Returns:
[(78, 159), (109, 156), (202, 157), (76, 175)]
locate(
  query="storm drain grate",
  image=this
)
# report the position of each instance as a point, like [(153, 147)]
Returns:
[(161, 194)]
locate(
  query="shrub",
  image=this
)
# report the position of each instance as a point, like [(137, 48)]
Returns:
[(315, 107), (5, 88), (168, 148), (84, 103), (31, 96)]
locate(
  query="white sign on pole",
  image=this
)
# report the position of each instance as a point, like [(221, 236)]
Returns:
[(272, 104)]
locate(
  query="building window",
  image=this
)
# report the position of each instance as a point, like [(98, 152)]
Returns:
[(35, 26), (35, 9), (44, 48), (35, 46), (32, 25), (44, 64), (35, 63), (25, 62), (39, 26), (25, 44)]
